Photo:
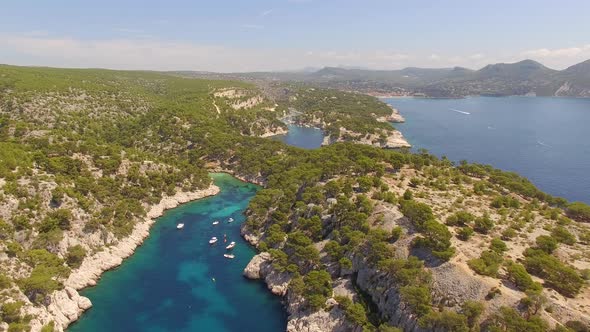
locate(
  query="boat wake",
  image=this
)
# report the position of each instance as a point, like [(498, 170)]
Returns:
[(543, 144), (462, 112)]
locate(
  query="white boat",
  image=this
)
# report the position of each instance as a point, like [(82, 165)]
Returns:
[(179, 226), (216, 222), (231, 245), (213, 240), (230, 256), (230, 220)]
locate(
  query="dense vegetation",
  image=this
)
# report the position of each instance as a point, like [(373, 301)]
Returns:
[(85, 153)]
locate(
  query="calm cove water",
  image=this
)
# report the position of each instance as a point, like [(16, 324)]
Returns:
[(544, 139), (303, 137), (167, 284)]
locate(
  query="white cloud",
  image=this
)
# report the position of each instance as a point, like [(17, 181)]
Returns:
[(133, 52), (559, 57), (266, 12)]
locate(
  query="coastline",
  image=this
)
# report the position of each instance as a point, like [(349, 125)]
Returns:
[(67, 305)]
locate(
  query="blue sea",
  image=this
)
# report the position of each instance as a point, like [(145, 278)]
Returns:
[(303, 137), (176, 281), (546, 140)]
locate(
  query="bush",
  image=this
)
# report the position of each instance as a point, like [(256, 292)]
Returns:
[(418, 213), (487, 264), (472, 310), (579, 211), (483, 224), (465, 233), (460, 218), (437, 238), (445, 320), (508, 234), (75, 256), (518, 275), (396, 233), (559, 276), (417, 298), (498, 245), (577, 326), (546, 243), (508, 319), (318, 286), (10, 312), (562, 235)]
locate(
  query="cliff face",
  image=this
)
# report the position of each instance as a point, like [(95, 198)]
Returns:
[(387, 139), (67, 305), (300, 319)]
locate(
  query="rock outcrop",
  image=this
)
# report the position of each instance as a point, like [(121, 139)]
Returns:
[(300, 319), (389, 139), (393, 117)]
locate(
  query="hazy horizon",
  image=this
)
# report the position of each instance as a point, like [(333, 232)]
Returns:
[(288, 35)]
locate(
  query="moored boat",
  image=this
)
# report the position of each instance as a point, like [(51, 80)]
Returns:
[(230, 256), (213, 240), (179, 226), (230, 220), (231, 245), (216, 222)]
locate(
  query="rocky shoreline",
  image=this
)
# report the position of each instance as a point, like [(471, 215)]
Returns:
[(67, 305)]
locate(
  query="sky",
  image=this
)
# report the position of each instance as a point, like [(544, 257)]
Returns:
[(272, 35)]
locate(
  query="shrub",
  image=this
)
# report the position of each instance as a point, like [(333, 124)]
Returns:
[(437, 238), (418, 299), (498, 245), (396, 233), (562, 235), (445, 320), (345, 263), (579, 211), (508, 319), (465, 233), (10, 312), (472, 310), (483, 224), (75, 256), (559, 276), (487, 264), (508, 234), (4, 281), (546, 243), (460, 218), (518, 275), (418, 213), (318, 286)]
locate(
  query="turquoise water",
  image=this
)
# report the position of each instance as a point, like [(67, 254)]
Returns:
[(543, 139), (167, 284), (303, 137)]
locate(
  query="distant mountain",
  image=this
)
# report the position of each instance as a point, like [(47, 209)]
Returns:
[(525, 77)]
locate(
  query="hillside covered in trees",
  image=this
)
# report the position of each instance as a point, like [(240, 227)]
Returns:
[(85, 154)]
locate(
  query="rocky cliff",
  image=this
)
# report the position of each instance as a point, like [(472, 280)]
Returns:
[(67, 305)]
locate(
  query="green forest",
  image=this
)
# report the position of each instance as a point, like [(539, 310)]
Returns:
[(87, 152)]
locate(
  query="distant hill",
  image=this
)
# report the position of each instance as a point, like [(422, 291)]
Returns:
[(525, 77)]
